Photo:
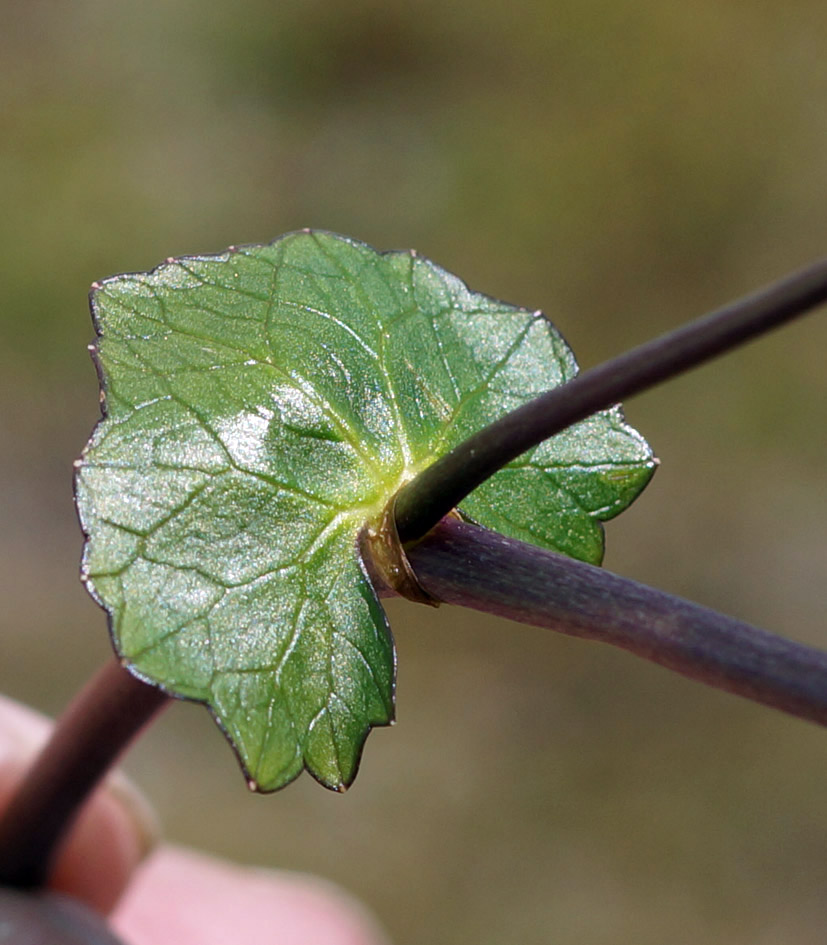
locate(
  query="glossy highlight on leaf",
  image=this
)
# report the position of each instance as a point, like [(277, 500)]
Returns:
[(262, 406)]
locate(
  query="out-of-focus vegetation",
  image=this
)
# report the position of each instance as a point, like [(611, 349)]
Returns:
[(623, 166)]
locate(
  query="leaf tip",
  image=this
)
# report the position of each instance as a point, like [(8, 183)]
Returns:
[(252, 784)]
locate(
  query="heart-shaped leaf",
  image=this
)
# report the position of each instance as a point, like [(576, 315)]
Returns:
[(262, 406)]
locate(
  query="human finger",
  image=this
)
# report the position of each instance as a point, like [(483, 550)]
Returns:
[(180, 897)]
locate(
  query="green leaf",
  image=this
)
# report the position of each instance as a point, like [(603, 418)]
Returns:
[(260, 407)]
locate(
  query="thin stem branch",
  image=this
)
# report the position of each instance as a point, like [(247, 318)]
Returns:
[(93, 731), (463, 564), (444, 484)]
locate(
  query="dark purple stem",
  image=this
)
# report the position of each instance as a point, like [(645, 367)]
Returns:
[(463, 564), (97, 726), (443, 485)]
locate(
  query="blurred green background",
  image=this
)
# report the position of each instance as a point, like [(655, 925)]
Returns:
[(622, 165)]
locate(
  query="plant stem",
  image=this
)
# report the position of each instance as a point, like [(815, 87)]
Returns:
[(470, 566), (93, 731), (443, 485)]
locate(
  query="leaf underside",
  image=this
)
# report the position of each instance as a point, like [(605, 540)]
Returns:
[(261, 406)]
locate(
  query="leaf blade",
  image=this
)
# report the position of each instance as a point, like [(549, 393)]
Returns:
[(262, 405)]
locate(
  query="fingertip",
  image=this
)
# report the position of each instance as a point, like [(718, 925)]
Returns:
[(103, 850), (181, 896)]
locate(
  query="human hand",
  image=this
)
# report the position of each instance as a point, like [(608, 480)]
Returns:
[(163, 895)]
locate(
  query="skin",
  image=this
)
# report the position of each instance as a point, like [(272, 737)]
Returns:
[(157, 894)]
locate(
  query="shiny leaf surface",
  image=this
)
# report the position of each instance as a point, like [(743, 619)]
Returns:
[(262, 406)]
